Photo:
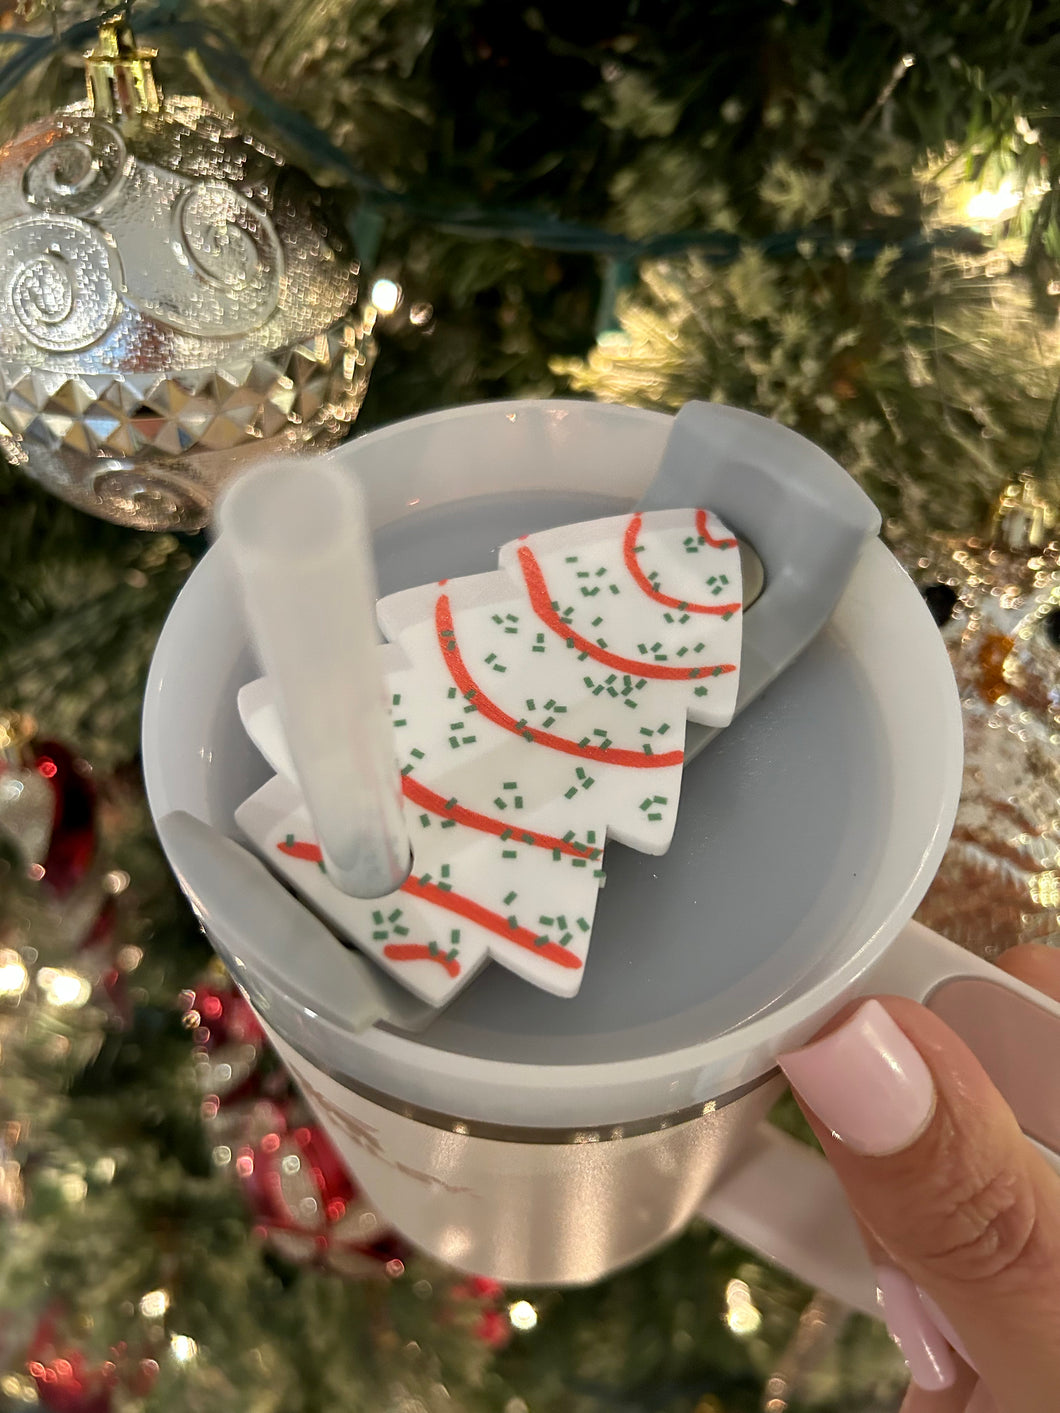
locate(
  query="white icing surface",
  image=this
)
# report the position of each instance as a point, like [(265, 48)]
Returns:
[(562, 644)]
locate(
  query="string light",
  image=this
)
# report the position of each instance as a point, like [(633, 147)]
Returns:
[(993, 205), (522, 1315), (386, 296), (154, 1304), (742, 1315), (63, 988), (183, 1348), (14, 978)]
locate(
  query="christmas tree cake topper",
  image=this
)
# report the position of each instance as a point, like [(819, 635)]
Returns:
[(537, 711)]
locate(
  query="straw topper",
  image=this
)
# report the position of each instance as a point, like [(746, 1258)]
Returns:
[(536, 712)]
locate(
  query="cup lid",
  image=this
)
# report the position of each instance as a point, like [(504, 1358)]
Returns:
[(808, 830)]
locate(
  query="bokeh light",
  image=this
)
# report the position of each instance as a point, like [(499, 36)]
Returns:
[(522, 1315), (386, 296)]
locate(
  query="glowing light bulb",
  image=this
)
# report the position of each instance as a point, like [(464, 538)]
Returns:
[(14, 978), (993, 205), (183, 1348), (742, 1315), (154, 1304), (386, 296), (522, 1315), (63, 988)]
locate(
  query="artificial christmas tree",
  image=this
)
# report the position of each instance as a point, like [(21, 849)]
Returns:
[(847, 222)]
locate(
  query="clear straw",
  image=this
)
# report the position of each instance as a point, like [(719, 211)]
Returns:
[(295, 532)]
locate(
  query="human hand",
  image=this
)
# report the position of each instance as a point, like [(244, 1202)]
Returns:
[(961, 1212)]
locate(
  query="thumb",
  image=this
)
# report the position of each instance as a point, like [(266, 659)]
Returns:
[(937, 1169)]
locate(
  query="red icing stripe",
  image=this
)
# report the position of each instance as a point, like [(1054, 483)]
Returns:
[(301, 849), (493, 922), (453, 903), (606, 755), (541, 602), (701, 529), (428, 799), (417, 952), (629, 554)]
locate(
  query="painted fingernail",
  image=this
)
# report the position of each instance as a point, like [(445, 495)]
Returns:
[(866, 1081), (945, 1327), (923, 1347), (981, 1400)]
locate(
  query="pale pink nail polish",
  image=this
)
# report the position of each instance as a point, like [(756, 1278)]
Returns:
[(866, 1081), (927, 1353), (945, 1328)]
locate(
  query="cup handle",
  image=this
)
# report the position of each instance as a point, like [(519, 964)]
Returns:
[(782, 1199)]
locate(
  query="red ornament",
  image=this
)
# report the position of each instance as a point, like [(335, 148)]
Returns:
[(73, 837), (309, 1208), (494, 1329), (66, 1385), (225, 1017)]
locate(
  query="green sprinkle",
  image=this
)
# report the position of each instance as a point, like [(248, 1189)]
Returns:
[(510, 785), (509, 898), (425, 820), (402, 722), (400, 931), (377, 917), (416, 752), (509, 854), (570, 794)]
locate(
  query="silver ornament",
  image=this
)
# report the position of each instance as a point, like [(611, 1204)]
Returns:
[(174, 301)]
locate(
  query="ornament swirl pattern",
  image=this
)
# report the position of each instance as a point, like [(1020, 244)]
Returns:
[(79, 173), (62, 292)]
